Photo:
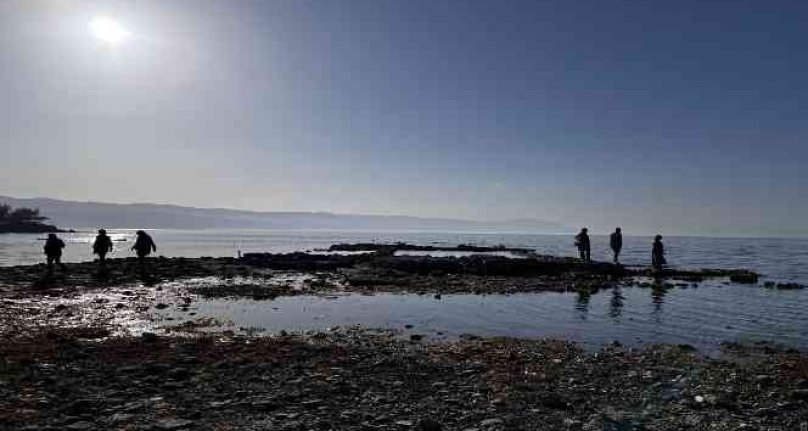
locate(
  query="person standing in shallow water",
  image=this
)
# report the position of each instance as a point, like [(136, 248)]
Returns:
[(582, 242), (658, 253), (144, 245), (53, 251), (102, 246), (616, 243)]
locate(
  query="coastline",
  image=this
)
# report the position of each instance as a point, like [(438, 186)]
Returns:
[(69, 367), (377, 271)]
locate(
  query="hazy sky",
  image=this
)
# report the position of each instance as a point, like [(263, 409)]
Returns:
[(678, 116)]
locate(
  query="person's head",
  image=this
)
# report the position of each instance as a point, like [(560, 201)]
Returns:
[(140, 232), (51, 236), (584, 230), (658, 238), (618, 230), (102, 231)]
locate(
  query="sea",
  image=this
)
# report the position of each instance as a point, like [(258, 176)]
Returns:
[(705, 316)]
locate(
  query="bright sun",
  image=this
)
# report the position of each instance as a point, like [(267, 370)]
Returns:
[(108, 30)]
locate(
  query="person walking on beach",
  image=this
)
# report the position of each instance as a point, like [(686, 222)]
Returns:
[(582, 242), (102, 246), (53, 251), (144, 245), (658, 253), (616, 243)]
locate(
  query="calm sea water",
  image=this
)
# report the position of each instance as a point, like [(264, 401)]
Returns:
[(715, 311), (778, 259), (703, 317)]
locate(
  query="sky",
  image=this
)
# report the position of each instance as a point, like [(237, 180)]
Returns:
[(685, 117)]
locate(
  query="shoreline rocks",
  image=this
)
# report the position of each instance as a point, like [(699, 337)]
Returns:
[(357, 380), (368, 272), (55, 377)]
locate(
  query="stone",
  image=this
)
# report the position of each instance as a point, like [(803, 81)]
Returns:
[(429, 425), (491, 422), (80, 425), (173, 424), (148, 337), (744, 278), (122, 417), (799, 394)]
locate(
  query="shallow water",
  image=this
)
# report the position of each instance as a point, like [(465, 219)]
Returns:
[(703, 316), (778, 258)]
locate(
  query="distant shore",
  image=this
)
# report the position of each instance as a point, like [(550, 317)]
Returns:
[(30, 227)]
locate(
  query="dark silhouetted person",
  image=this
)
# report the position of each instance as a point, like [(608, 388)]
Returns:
[(658, 253), (144, 245), (102, 246), (582, 242), (616, 243), (53, 251)]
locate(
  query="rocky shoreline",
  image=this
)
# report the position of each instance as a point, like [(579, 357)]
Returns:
[(361, 380), (376, 270), (68, 361)]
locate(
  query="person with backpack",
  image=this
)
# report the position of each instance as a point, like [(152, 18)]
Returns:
[(102, 246), (616, 243), (582, 242), (658, 254), (144, 246), (53, 251)]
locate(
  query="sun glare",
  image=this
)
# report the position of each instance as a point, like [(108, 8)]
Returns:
[(108, 30)]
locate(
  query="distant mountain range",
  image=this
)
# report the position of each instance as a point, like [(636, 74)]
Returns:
[(79, 215)]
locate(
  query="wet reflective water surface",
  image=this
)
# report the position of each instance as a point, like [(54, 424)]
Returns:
[(703, 317)]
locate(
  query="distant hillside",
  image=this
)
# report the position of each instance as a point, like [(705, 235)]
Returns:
[(72, 214)]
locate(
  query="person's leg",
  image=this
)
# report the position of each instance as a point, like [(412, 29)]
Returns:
[(581, 253), (59, 262), (102, 258), (50, 263)]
